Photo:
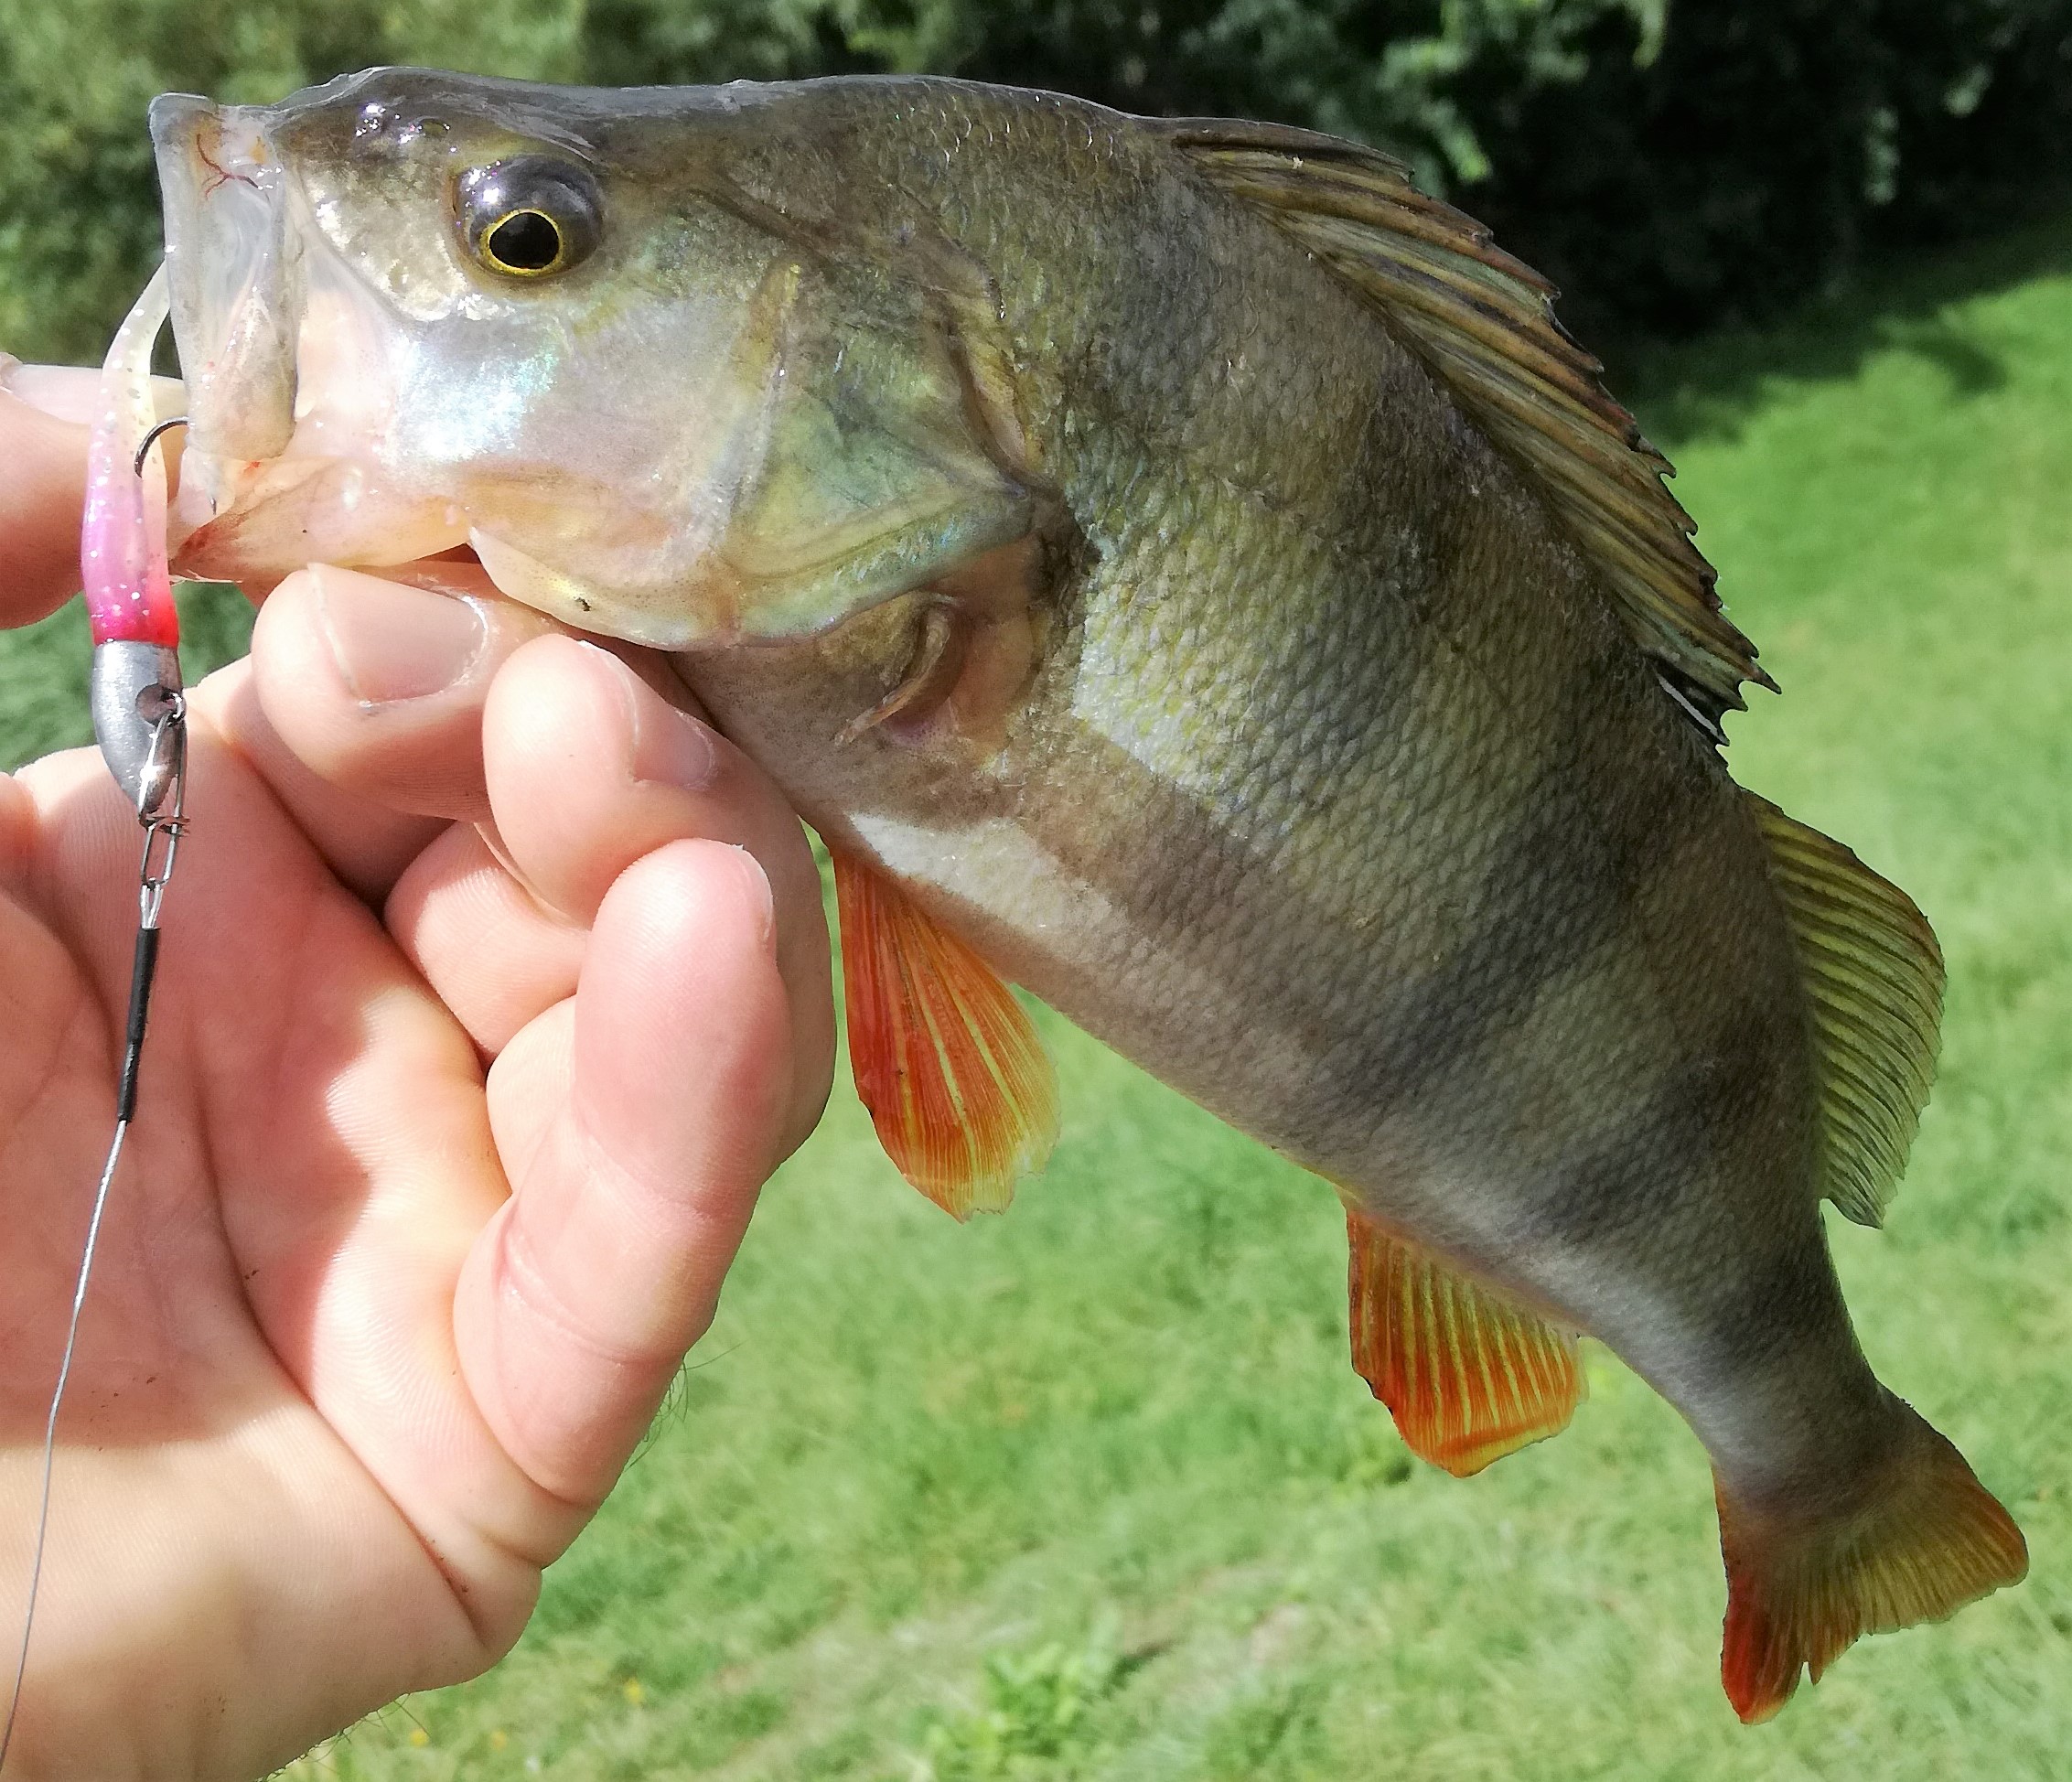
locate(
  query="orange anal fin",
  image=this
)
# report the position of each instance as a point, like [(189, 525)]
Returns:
[(1469, 1376), (958, 1085), (1927, 1541)]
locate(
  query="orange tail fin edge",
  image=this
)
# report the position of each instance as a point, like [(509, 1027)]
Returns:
[(955, 1080), (1468, 1377), (1928, 1540)]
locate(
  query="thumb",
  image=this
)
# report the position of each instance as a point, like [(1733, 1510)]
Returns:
[(45, 416)]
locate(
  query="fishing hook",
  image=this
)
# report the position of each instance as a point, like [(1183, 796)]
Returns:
[(144, 451)]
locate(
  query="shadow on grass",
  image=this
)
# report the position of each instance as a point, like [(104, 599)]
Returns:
[(1707, 388)]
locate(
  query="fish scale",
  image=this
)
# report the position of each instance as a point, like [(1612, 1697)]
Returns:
[(1188, 573)]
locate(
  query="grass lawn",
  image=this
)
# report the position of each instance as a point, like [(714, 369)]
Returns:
[(1090, 1491)]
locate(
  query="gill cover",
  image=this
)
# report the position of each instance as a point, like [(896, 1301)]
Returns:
[(859, 441), (894, 449)]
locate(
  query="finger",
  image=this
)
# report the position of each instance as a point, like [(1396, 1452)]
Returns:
[(72, 393), (542, 1051), (493, 954), (362, 711), (366, 843), (17, 830), (40, 497), (589, 769), (45, 415), (575, 1308), (377, 682)]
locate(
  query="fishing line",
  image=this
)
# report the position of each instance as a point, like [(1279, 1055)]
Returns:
[(140, 720), (166, 769), (51, 1428)]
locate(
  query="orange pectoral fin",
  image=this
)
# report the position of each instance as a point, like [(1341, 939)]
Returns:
[(958, 1085), (1468, 1377)]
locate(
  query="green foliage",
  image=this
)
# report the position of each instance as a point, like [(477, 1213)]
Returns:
[(1766, 146), (1037, 1725), (81, 223), (1672, 162)]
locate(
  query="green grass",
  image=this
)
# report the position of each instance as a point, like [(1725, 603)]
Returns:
[(1091, 1492), (43, 668)]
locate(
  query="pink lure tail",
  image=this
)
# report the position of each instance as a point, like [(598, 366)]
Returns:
[(129, 594)]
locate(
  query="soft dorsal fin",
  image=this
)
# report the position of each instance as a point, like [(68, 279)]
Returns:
[(1874, 973), (1484, 324), (956, 1082), (1469, 1376)]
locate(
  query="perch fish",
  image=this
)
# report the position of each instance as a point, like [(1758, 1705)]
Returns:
[(1181, 569)]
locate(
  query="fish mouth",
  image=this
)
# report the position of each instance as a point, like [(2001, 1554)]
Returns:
[(295, 406), (271, 479), (236, 270)]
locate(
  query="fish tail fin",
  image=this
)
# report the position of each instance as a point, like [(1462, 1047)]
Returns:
[(1469, 1376), (1925, 1540)]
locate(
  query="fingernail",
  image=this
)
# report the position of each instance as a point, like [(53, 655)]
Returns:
[(758, 883), (492, 839), (670, 748), (392, 642)]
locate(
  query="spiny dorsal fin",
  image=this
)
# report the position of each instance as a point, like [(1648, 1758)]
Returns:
[(1469, 1376), (1483, 323), (1875, 974), (958, 1084)]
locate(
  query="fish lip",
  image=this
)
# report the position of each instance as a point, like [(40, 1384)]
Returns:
[(234, 260), (234, 266)]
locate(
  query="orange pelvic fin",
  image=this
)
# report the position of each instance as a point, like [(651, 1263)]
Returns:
[(1926, 1541), (1468, 1377), (958, 1085)]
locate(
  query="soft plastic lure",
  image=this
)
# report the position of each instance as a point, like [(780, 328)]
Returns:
[(140, 719), (129, 594)]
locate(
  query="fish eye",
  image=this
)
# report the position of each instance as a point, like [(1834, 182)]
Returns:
[(529, 217)]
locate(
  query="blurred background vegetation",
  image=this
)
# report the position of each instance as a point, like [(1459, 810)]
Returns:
[(1672, 164)]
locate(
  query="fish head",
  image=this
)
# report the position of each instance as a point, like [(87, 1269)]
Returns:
[(669, 361)]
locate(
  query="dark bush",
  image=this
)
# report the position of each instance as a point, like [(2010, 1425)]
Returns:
[(1765, 146), (1673, 163)]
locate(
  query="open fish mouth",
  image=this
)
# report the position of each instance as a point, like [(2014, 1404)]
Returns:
[(280, 470), (236, 274), (320, 428), (378, 411)]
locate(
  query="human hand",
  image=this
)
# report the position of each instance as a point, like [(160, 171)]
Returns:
[(439, 1160)]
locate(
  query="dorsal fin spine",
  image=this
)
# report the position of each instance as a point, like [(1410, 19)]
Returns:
[(1483, 323)]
